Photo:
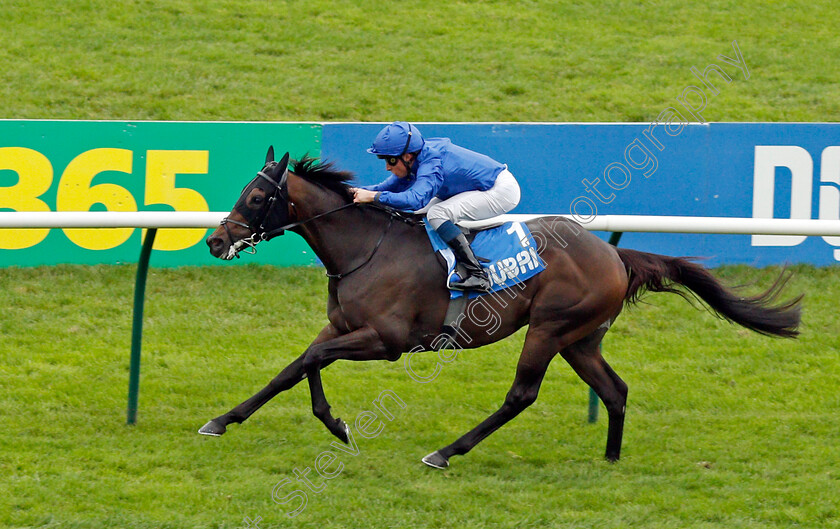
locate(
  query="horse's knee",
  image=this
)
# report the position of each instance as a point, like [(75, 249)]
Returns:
[(621, 388), (519, 398), (616, 402), (321, 410), (311, 361)]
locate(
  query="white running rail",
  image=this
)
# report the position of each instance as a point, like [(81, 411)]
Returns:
[(622, 223)]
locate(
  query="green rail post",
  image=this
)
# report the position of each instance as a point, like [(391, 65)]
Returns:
[(593, 397), (137, 325)]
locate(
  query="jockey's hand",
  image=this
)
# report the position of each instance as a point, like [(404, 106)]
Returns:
[(362, 196)]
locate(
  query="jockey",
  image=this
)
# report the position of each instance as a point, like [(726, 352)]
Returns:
[(447, 183)]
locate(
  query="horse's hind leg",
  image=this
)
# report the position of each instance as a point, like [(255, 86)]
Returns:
[(585, 358), (540, 347)]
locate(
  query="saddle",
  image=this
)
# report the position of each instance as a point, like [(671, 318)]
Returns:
[(506, 250)]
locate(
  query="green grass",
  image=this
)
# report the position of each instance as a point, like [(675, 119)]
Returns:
[(430, 61), (725, 429)]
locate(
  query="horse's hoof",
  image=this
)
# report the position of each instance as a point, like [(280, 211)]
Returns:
[(212, 428), (435, 460), (342, 431)]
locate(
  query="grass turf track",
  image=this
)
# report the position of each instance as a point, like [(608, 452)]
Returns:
[(724, 429)]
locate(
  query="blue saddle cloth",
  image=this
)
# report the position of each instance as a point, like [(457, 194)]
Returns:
[(510, 251)]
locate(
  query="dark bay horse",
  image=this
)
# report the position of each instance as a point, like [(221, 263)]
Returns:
[(387, 296)]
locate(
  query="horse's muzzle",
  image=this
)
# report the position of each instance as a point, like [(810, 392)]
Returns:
[(216, 244)]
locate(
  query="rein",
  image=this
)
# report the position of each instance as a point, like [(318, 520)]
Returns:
[(267, 235), (366, 261), (251, 242), (257, 237), (392, 214)]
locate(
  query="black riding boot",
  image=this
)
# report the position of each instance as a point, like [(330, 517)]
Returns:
[(476, 275)]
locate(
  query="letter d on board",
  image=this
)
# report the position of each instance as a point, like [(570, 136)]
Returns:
[(801, 166)]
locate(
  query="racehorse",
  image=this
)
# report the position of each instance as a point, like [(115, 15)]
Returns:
[(387, 295)]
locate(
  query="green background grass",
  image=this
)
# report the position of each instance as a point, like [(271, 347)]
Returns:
[(379, 61), (725, 429)]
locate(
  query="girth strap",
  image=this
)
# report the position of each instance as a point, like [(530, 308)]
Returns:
[(451, 325)]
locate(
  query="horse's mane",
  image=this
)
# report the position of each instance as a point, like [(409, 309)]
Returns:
[(324, 174)]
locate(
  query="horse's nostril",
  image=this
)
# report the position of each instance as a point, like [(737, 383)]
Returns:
[(214, 242)]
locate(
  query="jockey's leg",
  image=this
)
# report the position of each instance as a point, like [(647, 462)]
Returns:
[(424, 210), (472, 205), (476, 278)]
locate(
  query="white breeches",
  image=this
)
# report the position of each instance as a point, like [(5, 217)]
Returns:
[(475, 205)]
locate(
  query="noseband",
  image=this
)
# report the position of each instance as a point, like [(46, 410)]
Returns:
[(258, 221)]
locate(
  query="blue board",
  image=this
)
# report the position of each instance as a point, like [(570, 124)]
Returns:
[(715, 170)]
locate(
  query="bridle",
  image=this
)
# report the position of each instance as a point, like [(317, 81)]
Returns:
[(257, 221)]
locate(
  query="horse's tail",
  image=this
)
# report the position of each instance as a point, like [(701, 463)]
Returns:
[(659, 273)]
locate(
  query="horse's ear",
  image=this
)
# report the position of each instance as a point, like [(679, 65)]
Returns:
[(283, 163), (269, 157)]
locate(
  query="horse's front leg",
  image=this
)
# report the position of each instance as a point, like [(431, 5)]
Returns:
[(361, 344), (287, 379)]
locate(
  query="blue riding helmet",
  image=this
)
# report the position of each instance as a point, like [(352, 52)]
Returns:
[(397, 139)]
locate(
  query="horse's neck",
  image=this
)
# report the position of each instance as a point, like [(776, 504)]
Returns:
[(344, 239)]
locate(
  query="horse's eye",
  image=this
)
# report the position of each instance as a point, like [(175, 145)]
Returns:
[(258, 200)]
